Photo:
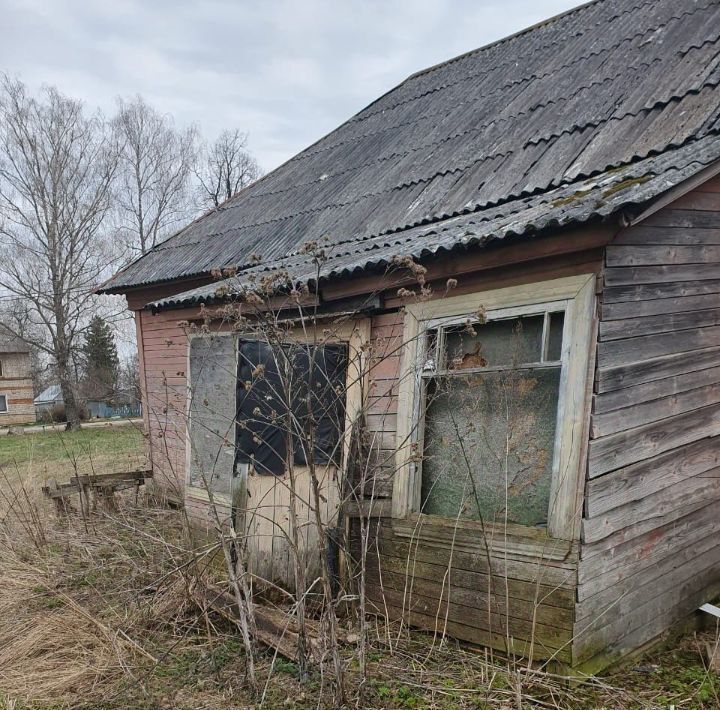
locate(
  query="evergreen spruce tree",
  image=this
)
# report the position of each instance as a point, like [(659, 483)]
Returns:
[(100, 361)]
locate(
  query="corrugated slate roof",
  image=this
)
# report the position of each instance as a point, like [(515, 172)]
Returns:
[(591, 199), (605, 85)]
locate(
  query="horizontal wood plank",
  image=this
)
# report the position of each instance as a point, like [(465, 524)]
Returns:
[(638, 414), (667, 322), (635, 482), (617, 450), (658, 612), (628, 275), (686, 218), (630, 350), (610, 561), (656, 389), (653, 510), (640, 234), (432, 614), (636, 293), (643, 255), (613, 378), (537, 571), (657, 307), (477, 582), (634, 590)]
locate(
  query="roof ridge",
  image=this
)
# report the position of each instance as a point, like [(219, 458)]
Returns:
[(494, 43)]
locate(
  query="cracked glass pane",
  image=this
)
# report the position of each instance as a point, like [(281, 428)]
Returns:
[(499, 343), (489, 440)]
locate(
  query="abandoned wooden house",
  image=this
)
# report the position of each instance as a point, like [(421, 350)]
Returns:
[(16, 387), (546, 388)]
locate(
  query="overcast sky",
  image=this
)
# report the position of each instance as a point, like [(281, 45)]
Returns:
[(285, 72)]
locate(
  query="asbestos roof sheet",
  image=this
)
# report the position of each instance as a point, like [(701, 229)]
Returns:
[(496, 131), (596, 198)]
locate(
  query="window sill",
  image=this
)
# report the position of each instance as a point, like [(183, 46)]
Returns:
[(200, 494), (473, 536)]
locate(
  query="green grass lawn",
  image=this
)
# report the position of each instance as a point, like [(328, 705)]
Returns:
[(35, 458), (62, 446)]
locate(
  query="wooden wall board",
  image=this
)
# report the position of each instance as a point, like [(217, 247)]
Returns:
[(657, 389), (651, 524), (655, 368), (636, 481)]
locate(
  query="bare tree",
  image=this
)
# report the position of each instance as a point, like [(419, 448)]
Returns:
[(226, 167), (156, 163), (56, 171)]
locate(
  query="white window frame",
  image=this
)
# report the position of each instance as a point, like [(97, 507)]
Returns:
[(574, 295), (7, 404)]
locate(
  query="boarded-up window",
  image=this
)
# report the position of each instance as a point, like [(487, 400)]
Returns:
[(491, 395), (212, 411), (289, 397)]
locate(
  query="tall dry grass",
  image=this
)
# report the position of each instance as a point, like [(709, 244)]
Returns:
[(98, 613)]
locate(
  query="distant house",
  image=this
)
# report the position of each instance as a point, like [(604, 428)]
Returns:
[(16, 388), (121, 406), (47, 401), (565, 182)]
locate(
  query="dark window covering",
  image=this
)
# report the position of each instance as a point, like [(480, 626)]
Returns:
[(270, 374)]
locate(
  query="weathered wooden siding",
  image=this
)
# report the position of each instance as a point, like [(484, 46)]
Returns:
[(444, 580), (163, 345), (381, 409), (437, 577), (650, 552), (16, 384)]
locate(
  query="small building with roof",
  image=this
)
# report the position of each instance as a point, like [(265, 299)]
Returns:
[(16, 387), (523, 246)]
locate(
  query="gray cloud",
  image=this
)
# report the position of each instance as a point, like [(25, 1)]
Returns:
[(286, 72)]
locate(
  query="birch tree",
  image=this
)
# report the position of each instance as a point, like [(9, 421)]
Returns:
[(57, 167), (156, 164), (225, 168)]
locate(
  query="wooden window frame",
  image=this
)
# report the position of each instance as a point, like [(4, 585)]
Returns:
[(576, 296), (355, 333), (7, 404)]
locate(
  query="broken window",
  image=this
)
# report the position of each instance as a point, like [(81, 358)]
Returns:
[(491, 393), (290, 400), (261, 404), (212, 412)]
